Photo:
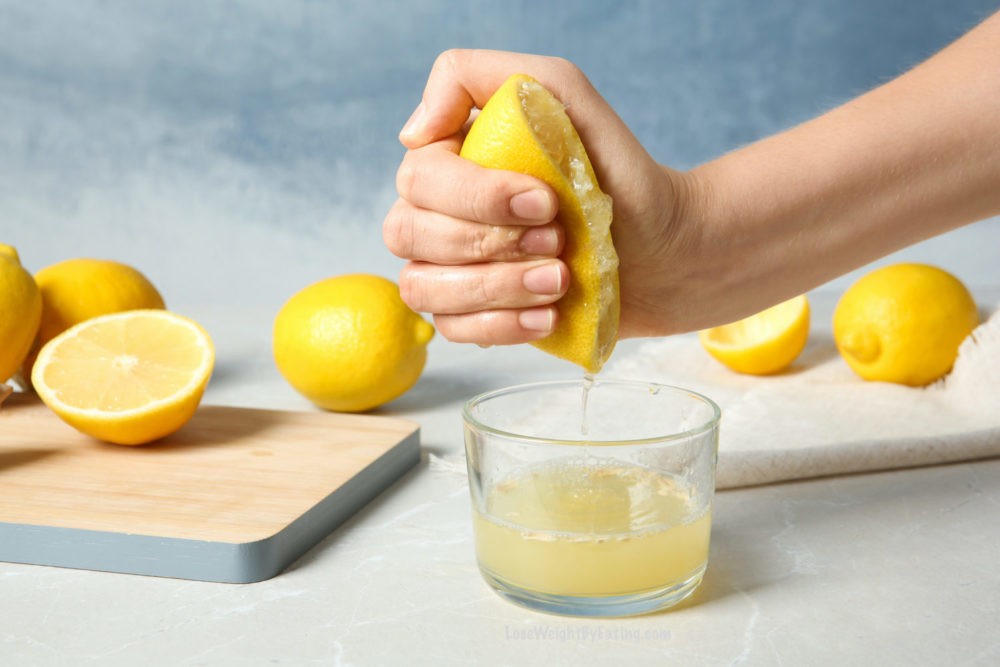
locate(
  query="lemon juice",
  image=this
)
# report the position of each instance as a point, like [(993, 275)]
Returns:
[(580, 529)]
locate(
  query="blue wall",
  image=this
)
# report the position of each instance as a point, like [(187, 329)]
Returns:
[(167, 126)]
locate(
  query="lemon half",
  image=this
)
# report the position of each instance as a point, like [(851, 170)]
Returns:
[(524, 128), (127, 378), (764, 343)]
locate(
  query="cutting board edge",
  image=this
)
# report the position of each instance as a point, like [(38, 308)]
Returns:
[(205, 560)]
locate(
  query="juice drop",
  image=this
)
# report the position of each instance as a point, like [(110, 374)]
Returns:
[(588, 384)]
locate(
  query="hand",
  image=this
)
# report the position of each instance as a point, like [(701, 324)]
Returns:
[(484, 244)]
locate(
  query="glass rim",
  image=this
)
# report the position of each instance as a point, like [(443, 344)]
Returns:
[(708, 424)]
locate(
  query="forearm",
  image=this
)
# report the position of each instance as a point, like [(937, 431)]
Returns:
[(909, 160)]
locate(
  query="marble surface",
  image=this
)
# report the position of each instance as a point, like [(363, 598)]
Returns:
[(887, 568)]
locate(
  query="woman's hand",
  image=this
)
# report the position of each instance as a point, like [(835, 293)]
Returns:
[(484, 244)]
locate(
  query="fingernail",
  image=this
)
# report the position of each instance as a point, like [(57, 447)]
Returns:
[(546, 279), (537, 319), (412, 125), (532, 205), (539, 241)]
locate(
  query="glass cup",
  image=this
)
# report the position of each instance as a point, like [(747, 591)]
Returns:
[(592, 498)]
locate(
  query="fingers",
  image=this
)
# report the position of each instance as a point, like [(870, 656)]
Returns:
[(501, 303), (435, 177), (498, 327), (461, 80), (427, 236), (457, 290)]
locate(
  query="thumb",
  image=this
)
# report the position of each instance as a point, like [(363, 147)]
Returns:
[(460, 80)]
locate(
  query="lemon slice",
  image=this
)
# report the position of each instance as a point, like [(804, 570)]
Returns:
[(524, 128), (127, 378), (764, 343)]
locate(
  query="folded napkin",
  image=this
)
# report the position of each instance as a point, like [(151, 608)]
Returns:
[(818, 418)]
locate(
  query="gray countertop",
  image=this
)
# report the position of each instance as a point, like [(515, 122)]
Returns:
[(887, 568)]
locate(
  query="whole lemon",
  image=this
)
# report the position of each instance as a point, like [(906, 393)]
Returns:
[(349, 343), (903, 323), (76, 290), (20, 312)]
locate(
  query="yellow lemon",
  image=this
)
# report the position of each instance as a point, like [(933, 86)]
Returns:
[(524, 128), (764, 343), (20, 312), (903, 323), (349, 343), (127, 378), (78, 289)]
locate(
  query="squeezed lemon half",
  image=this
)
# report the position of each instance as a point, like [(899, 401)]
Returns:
[(524, 128)]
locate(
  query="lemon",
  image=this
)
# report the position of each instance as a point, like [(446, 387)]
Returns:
[(764, 343), (349, 343), (524, 128), (78, 289), (903, 323), (127, 378), (20, 312)]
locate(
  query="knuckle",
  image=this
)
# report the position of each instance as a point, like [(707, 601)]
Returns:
[(397, 233), (487, 202), (568, 70), (446, 325), (412, 288), (406, 177), (484, 328), (484, 289), (562, 65), (447, 60)]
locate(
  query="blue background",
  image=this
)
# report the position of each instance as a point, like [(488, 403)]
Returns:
[(235, 151)]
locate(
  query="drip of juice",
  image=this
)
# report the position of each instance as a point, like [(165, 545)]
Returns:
[(584, 530), (588, 384)]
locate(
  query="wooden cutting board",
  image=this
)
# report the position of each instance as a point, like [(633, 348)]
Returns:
[(235, 496)]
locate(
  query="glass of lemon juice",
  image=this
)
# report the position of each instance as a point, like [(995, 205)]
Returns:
[(592, 498)]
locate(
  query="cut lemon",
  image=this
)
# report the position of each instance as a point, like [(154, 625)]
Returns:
[(764, 343), (524, 128), (127, 378)]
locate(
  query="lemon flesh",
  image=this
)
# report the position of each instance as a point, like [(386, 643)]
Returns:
[(349, 343), (20, 312), (764, 343), (126, 378), (904, 323), (524, 128)]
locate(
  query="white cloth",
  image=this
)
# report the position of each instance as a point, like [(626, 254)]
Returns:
[(818, 418)]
